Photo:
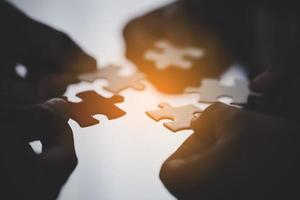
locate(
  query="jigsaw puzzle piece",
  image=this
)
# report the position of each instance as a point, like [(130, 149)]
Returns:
[(240, 92), (116, 81), (92, 104), (211, 90), (186, 51), (193, 52), (83, 118), (102, 73), (168, 55), (160, 114), (146, 33), (163, 44), (163, 61), (181, 116), (124, 82)]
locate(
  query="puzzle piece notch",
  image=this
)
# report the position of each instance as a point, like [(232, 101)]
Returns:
[(92, 104), (116, 81), (171, 56), (211, 90), (181, 116)]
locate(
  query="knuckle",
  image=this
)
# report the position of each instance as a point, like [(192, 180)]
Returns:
[(130, 27), (62, 36), (213, 111), (166, 178), (162, 173), (63, 43), (195, 121), (217, 114), (219, 107), (72, 161)]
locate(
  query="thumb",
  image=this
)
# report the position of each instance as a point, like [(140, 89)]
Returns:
[(34, 122), (263, 83), (272, 80), (197, 175), (57, 161), (58, 106), (51, 115), (190, 165)]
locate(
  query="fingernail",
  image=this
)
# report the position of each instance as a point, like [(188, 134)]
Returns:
[(194, 121), (262, 82), (57, 105)]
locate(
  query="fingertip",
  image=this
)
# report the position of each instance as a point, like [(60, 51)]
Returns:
[(87, 63), (57, 105), (170, 167), (92, 66), (262, 82), (216, 106), (54, 85), (170, 173), (195, 122)]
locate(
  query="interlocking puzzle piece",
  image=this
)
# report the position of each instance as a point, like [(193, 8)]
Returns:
[(181, 116), (171, 56), (92, 103), (104, 73), (211, 90), (116, 82)]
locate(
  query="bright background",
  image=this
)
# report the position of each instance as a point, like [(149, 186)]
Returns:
[(118, 159)]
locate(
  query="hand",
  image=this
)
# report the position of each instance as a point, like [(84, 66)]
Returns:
[(235, 154), (174, 24), (25, 174), (276, 47), (278, 88), (52, 61), (51, 58)]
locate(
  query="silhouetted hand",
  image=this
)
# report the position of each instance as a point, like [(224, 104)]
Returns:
[(174, 24), (235, 154), (52, 61), (279, 92), (25, 174)]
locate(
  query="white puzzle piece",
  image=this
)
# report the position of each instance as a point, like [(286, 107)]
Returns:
[(168, 55), (181, 116), (211, 90), (116, 81)]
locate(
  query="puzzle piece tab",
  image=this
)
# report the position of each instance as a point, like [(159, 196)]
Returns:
[(211, 90), (116, 82), (181, 116), (92, 104), (168, 55)]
